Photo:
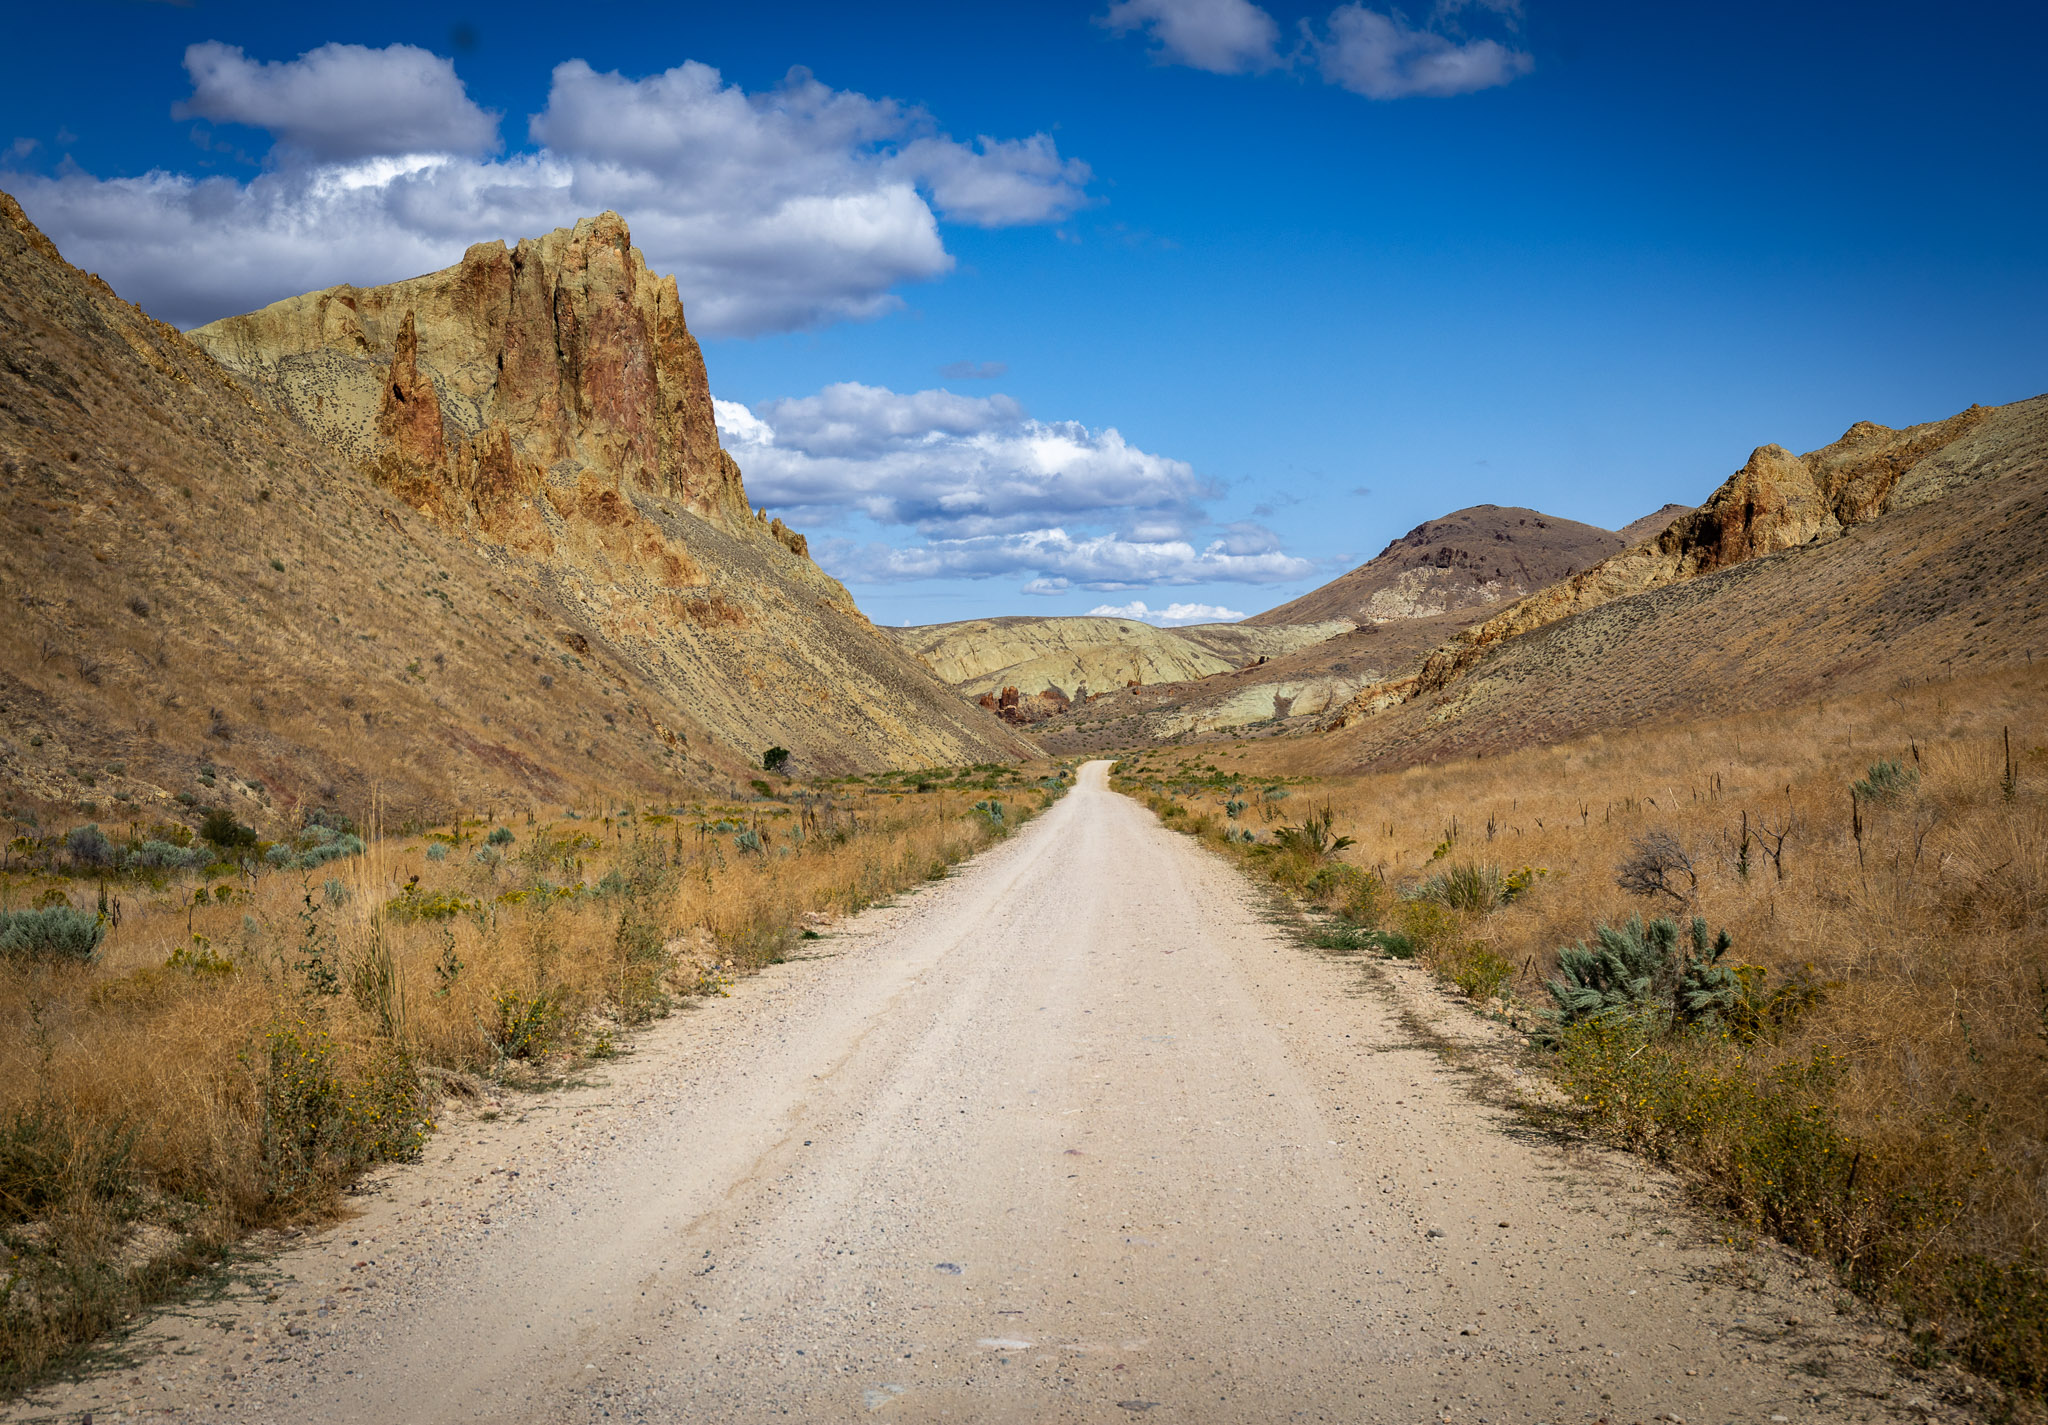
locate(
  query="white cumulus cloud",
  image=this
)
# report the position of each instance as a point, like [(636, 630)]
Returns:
[(952, 466), (992, 490), (1107, 563), (776, 210), (341, 101), (1382, 58), (1221, 36), (1172, 615), (1370, 52)]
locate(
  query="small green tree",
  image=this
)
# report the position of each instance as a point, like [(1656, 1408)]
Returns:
[(774, 759), (221, 828)]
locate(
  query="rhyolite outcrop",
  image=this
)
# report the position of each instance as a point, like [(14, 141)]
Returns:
[(1775, 502), (547, 401), (553, 364), (1022, 711)]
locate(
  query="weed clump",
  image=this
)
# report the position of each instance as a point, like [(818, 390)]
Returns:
[(416, 904), (325, 1117), (526, 1025), (1886, 782), (154, 855), (1477, 889), (1314, 839), (56, 934)]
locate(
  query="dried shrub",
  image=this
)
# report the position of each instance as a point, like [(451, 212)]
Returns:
[(1658, 866)]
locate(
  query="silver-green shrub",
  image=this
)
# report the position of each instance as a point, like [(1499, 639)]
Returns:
[(55, 933)]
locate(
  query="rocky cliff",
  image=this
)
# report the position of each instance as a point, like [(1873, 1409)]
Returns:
[(1947, 582), (549, 401), (471, 390), (314, 607)]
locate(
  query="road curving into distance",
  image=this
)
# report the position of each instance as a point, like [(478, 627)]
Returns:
[(1078, 1134)]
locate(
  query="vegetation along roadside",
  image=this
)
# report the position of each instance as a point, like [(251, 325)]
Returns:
[(205, 1032), (1801, 957)]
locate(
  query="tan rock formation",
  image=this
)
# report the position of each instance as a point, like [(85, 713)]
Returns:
[(465, 389), (548, 401), (1777, 501), (985, 655)]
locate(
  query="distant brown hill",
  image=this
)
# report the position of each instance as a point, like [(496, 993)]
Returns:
[(1377, 623), (1652, 524), (527, 603), (1488, 554)]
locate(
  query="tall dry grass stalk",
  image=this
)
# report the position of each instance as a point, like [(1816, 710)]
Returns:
[(1889, 1110), (251, 1038)]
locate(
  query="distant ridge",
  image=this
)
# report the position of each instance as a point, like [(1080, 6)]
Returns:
[(1887, 554), (1653, 523), (1486, 554)]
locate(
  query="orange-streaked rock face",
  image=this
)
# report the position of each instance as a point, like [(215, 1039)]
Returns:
[(465, 390), (547, 402)]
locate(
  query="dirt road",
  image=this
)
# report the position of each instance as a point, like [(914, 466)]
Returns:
[(1077, 1134)]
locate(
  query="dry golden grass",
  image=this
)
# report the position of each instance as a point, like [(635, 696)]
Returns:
[(232, 1063), (1898, 1122)]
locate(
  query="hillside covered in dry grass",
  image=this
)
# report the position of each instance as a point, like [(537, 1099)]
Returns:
[(1942, 581), (212, 605), (1862, 1073)]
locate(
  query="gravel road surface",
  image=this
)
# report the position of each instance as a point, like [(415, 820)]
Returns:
[(1081, 1133)]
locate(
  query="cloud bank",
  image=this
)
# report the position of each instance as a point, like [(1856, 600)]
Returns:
[(991, 491), (1369, 52), (778, 210), (1172, 615)]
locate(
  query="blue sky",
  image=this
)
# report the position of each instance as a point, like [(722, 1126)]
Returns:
[(1039, 308)]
